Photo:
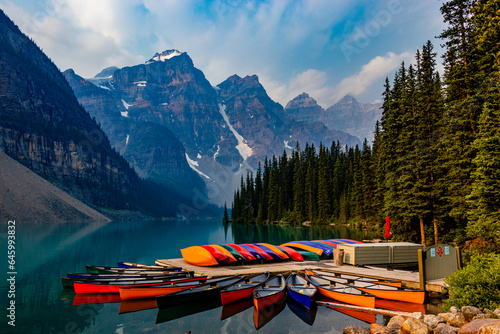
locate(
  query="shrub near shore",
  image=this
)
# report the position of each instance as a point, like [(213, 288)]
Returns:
[(478, 283)]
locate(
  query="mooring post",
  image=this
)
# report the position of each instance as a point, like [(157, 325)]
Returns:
[(421, 269), (459, 257)]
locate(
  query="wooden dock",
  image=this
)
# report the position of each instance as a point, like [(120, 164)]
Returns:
[(408, 278)]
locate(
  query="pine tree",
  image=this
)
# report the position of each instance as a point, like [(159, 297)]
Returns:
[(273, 201), (357, 186), (484, 200), (298, 186), (456, 151), (225, 218), (323, 186), (368, 183)]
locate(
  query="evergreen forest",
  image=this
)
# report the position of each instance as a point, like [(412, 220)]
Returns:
[(434, 165)]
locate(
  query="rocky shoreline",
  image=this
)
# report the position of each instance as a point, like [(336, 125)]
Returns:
[(468, 320)]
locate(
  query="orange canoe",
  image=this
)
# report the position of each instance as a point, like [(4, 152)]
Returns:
[(198, 256), (350, 279), (385, 291), (127, 293), (304, 247), (342, 292)]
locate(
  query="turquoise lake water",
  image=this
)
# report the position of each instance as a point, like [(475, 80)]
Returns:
[(45, 252)]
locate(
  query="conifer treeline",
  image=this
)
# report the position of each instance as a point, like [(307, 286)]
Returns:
[(434, 164)]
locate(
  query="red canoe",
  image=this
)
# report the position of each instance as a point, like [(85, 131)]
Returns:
[(292, 253), (219, 256), (114, 287), (243, 252), (271, 292), (243, 289)]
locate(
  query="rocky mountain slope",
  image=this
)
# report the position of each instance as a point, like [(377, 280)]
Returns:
[(347, 115), (225, 130), (43, 126), (27, 197)]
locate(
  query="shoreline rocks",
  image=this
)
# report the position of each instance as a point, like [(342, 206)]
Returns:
[(467, 320)]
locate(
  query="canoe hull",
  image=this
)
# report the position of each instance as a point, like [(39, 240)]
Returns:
[(242, 290), (203, 292), (138, 292), (365, 301), (228, 297), (416, 297), (268, 301), (81, 287), (300, 298), (198, 256), (272, 292)]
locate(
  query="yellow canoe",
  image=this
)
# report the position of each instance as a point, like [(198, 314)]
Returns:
[(275, 249), (198, 256), (304, 247)]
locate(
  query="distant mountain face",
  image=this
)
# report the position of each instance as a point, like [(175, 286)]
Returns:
[(263, 123), (304, 108), (43, 126), (152, 149), (347, 115), (225, 130)]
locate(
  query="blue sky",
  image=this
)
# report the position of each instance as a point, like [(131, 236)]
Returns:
[(327, 48)]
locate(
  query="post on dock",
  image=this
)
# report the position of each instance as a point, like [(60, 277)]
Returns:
[(338, 257)]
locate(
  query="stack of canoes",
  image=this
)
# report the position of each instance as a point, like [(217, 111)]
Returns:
[(214, 255), (110, 279)]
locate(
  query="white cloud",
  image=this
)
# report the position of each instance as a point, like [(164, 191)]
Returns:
[(71, 45), (313, 82), (372, 72), (317, 84), (292, 46)]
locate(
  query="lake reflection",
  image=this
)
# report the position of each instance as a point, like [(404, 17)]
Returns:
[(45, 252)]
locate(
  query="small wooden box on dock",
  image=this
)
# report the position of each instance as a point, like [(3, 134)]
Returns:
[(380, 253)]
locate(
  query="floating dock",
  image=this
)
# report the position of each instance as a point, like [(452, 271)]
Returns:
[(408, 278)]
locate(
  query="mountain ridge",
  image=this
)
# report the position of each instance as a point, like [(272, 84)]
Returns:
[(226, 129), (347, 114)]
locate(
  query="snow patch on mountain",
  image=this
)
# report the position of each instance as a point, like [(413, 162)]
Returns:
[(217, 153), (165, 55), (126, 105), (242, 147), (194, 164)]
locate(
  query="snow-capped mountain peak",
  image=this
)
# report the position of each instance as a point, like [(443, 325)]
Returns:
[(165, 55)]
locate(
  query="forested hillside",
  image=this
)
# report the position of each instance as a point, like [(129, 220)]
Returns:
[(433, 165)]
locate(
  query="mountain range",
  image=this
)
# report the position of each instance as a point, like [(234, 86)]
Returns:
[(347, 115), (153, 137), (225, 130)]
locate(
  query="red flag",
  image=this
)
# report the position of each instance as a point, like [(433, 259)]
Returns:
[(387, 233)]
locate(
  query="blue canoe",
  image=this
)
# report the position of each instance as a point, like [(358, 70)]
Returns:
[(268, 251), (253, 252), (300, 290), (327, 250)]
